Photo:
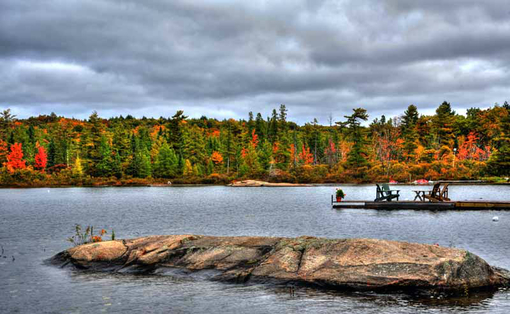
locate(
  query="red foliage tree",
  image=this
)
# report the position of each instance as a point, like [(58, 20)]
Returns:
[(41, 158), (305, 155), (254, 139), (15, 158), (292, 151)]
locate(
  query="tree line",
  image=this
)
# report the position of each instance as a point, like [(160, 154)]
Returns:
[(53, 150)]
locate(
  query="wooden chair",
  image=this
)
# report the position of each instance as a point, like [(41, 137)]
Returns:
[(439, 193), (383, 193)]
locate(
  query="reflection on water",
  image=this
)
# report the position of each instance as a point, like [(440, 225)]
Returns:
[(34, 224)]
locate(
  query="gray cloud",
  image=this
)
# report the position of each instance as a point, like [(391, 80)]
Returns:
[(225, 58)]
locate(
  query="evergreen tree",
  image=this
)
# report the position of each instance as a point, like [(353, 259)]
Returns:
[(250, 162), (442, 124), (166, 165), (144, 164), (409, 133), (93, 154), (260, 126), (273, 128), (266, 155), (357, 158), (175, 131), (194, 145), (210, 167), (51, 154), (104, 167), (251, 122), (499, 162), (117, 165)]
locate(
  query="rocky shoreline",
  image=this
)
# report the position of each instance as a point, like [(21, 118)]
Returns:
[(257, 183), (352, 264)]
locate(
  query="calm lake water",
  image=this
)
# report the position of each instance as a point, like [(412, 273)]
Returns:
[(35, 223)]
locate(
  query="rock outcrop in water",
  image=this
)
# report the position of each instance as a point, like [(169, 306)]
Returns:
[(257, 183), (359, 264)]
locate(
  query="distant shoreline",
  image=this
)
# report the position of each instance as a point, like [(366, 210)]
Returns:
[(258, 184)]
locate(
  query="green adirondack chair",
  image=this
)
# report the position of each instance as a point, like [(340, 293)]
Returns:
[(384, 193)]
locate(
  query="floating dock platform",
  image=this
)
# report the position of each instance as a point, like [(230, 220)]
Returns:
[(417, 205)]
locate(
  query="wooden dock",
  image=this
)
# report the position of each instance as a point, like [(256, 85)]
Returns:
[(417, 205)]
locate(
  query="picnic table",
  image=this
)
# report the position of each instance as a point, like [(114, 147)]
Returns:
[(420, 195), (439, 193)]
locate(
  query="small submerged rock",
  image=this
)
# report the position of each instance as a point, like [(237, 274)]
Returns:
[(355, 264)]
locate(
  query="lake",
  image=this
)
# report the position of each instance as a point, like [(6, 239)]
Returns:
[(35, 223)]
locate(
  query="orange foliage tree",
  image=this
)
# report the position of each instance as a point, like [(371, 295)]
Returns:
[(254, 139), (216, 158), (15, 158)]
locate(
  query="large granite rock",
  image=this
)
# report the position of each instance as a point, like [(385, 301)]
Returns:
[(257, 183), (359, 264)]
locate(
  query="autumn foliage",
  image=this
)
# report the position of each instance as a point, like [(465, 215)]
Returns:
[(216, 157), (125, 150), (41, 158), (15, 158)]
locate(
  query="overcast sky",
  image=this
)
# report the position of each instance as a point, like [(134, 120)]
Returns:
[(225, 58)]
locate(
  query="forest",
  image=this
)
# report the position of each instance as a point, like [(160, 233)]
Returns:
[(49, 150)]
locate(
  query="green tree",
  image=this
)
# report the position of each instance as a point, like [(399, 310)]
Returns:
[(104, 168), (442, 125), (499, 162), (357, 161), (144, 169), (167, 163), (409, 133)]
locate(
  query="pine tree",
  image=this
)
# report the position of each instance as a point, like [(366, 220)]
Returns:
[(250, 162), (194, 145), (442, 124), (175, 131), (104, 168), (499, 162), (272, 133), (117, 165), (409, 133), (357, 161), (260, 126), (210, 167), (166, 164), (144, 169), (93, 153)]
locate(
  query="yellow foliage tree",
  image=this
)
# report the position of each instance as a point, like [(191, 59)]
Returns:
[(78, 169), (187, 169)]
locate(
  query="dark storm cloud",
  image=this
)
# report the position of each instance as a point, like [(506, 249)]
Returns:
[(225, 58)]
